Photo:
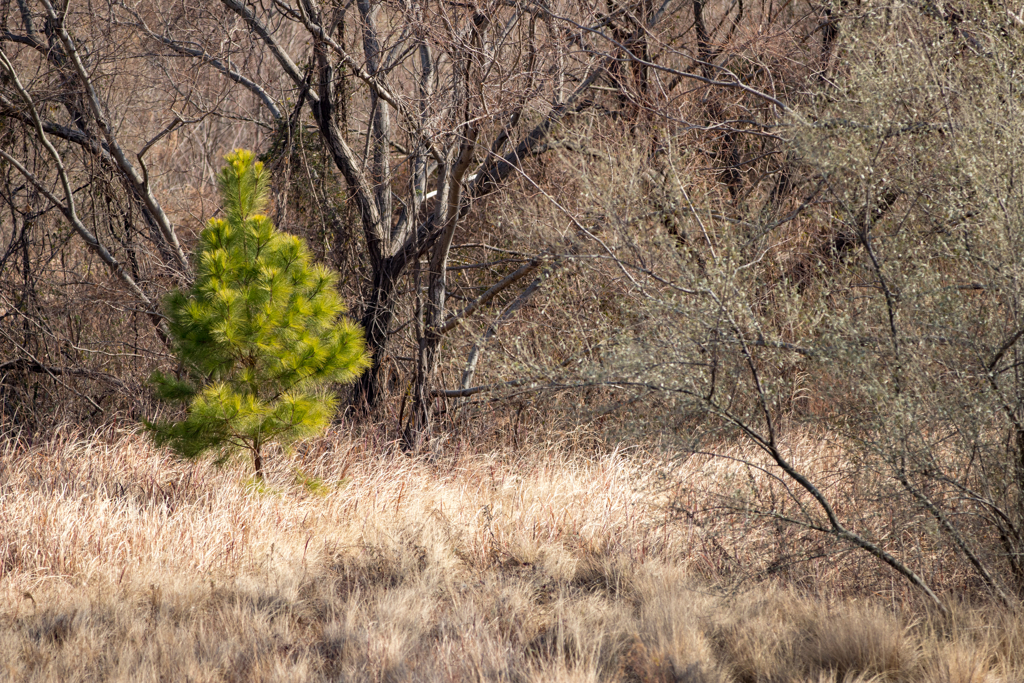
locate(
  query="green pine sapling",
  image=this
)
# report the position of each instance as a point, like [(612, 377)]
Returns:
[(259, 335)]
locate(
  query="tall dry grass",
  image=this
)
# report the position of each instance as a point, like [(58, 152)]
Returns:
[(553, 562)]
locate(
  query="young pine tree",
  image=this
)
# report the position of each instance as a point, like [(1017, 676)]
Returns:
[(259, 336)]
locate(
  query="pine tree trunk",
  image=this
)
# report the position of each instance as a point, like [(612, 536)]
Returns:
[(257, 461)]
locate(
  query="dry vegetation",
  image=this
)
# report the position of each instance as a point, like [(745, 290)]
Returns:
[(788, 246), (549, 562)]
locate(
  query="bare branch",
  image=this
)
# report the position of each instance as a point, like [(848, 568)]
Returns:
[(139, 182), (67, 207)]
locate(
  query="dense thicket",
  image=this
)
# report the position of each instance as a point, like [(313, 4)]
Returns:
[(881, 312), (430, 151)]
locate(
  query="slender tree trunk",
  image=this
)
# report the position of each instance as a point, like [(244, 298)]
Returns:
[(450, 211), (378, 315), (427, 353)]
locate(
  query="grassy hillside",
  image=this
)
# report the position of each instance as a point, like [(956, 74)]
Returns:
[(555, 561)]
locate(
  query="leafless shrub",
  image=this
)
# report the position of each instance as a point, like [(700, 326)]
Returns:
[(881, 313)]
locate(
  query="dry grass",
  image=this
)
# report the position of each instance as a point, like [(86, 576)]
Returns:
[(549, 563)]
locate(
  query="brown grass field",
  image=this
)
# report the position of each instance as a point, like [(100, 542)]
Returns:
[(556, 561)]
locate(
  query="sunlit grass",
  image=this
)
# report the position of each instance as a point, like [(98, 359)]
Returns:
[(552, 562)]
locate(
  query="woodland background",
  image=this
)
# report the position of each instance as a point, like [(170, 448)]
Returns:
[(767, 255)]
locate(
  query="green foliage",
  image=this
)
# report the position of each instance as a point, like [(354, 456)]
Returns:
[(259, 335), (314, 485)]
